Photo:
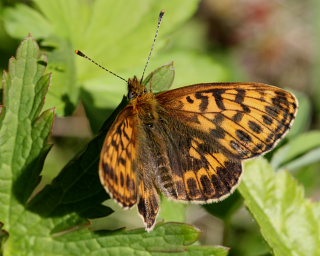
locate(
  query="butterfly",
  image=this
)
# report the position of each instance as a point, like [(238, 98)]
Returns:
[(189, 143)]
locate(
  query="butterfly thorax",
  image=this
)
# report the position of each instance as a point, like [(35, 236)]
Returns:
[(143, 103)]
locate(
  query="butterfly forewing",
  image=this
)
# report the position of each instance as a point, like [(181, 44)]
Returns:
[(149, 203), (126, 168), (244, 119), (118, 159)]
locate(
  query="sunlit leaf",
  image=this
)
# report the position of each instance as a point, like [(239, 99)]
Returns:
[(288, 221)]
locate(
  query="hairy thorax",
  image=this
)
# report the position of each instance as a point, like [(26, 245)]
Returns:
[(145, 107), (143, 103)]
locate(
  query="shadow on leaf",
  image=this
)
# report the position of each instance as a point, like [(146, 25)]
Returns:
[(77, 189)]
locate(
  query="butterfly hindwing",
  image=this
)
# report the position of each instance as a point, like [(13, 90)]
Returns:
[(190, 166), (118, 157), (149, 203), (245, 119)]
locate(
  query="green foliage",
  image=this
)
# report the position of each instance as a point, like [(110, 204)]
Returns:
[(119, 39), (289, 222), (24, 130), (118, 34)]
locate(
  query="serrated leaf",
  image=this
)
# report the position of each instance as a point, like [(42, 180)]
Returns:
[(23, 132), (288, 221)]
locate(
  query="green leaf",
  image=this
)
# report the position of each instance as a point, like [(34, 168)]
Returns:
[(193, 67), (22, 19), (298, 151), (172, 211), (160, 79), (24, 130), (288, 221), (64, 91), (119, 40), (3, 236), (166, 239), (128, 54)]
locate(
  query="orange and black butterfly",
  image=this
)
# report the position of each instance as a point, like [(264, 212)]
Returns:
[(189, 143)]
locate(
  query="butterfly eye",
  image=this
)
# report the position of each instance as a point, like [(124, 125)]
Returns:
[(131, 95)]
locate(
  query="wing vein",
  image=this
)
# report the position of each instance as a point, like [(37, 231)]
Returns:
[(228, 133), (216, 112), (249, 132)]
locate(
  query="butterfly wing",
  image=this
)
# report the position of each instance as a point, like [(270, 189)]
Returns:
[(189, 166), (193, 151), (245, 119), (125, 170), (149, 203), (117, 160), (205, 130)]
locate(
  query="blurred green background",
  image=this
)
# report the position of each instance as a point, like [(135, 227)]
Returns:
[(274, 42)]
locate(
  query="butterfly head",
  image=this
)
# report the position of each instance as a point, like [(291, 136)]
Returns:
[(135, 88)]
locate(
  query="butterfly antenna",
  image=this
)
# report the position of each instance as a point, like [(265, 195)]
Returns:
[(88, 58), (154, 41)]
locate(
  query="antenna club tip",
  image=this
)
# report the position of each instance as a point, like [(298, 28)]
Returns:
[(79, 53), (162, 12)]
